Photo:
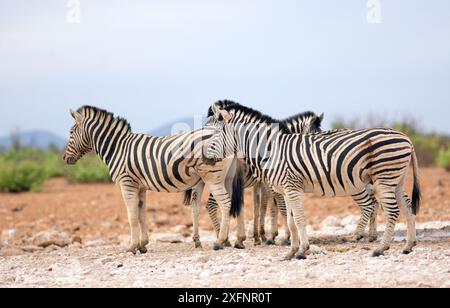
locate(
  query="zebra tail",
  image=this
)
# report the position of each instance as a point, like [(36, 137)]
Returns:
[(237, 195), (416, 196), (187, 197)]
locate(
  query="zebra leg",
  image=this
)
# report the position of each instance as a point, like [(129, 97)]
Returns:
[(196, 213), (365, 201), (388, 201), (263, 212), (295, 241), (298, 213), (405, 207), (373, 233), (256, 212), (273, 220), (212, 208), (241, 237), (284, 216), (143, 242), (131, 197), (223, 199)]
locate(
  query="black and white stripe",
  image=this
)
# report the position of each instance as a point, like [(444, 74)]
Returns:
[(138, 163), (333, 163), (307, 122)]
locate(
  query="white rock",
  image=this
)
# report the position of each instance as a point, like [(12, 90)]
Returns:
[(350, 220), (316, 250), (178, 229), (205, 274), (172, 238), (96, 243), (309, 229), (330, 221), (50, 238)]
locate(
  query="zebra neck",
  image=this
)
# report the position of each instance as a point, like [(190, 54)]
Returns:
[(107, 137), (260, 150)]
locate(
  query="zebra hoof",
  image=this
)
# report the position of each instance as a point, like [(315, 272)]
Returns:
[(143, 250), (227, 243), (377, 253), (263, 238), (256, 242), (300, 256), (358, 237), (286, 242), (217, 247), (406, 251), (270, 242), (373, 238), (198, 245), (239, 246)]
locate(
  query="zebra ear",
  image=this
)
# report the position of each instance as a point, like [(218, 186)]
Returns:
[(216, 110), (319, 119), (77, 116)]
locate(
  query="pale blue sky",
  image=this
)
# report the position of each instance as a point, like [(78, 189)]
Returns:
[(157, 61)]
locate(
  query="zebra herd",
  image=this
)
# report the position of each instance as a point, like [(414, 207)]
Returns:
[(238, 148)]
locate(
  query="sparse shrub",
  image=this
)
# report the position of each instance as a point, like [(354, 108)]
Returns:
[(443, 159), (90, 169), (19, 176)]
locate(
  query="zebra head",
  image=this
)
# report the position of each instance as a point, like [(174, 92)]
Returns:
[(79, 140), (304, 123), (222, 143)]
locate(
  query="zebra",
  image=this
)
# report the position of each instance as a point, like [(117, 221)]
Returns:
[(303, 122), (264, 196), (332, 163), (138, 163)]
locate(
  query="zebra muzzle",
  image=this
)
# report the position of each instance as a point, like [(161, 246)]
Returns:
[(209, 161), (70, 160)]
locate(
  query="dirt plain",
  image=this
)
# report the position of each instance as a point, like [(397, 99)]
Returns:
[(93, 220)]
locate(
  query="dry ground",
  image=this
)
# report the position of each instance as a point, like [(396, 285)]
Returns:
[(95, 215)]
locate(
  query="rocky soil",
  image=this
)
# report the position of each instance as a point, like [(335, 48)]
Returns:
[(334, 261), (74, 236)]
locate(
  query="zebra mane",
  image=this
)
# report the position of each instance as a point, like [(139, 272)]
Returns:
[(230, 105), (221, 104), (302, 117), (98, 111)]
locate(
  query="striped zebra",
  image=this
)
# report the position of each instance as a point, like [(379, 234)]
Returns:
[(307, 122), (138, 163), (264, 197), (333, 163)]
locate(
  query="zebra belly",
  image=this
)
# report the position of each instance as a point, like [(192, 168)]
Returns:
[(334, 188)]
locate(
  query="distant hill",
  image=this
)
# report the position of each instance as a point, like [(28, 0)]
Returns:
[(175, 127), (39, 139), (42, 139)]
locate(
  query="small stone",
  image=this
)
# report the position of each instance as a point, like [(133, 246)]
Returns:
[(349, 220), (119, 265), (77, 239), (205, 274), (50, 238), (316, 250), (173, 238), (31, 248), (330, 221), (96, 243)]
